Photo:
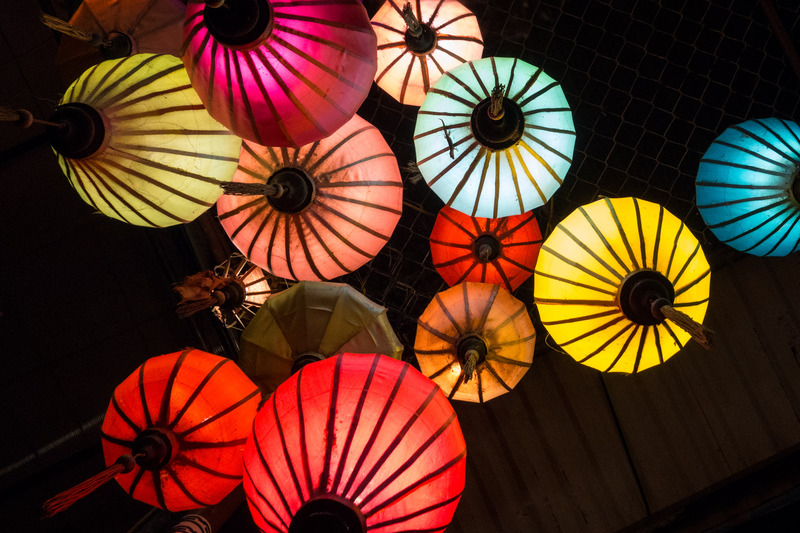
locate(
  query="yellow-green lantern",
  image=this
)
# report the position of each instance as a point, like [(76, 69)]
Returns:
[(136, 143), (613, 280)]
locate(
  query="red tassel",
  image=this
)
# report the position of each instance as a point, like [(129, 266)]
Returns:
[(64, 500)]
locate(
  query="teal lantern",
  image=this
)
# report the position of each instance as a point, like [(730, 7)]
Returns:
[(494, 137), (747, 187)]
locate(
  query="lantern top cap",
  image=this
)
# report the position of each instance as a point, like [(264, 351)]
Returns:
[(239, 24)]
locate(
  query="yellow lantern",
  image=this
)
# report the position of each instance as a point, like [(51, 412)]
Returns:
[(608, 277), (136, 143), (475, 341)]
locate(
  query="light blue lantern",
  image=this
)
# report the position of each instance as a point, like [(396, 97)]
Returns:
[(494, 137), (747, 187)]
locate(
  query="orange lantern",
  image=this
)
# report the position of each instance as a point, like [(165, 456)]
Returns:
[(316, 212), (489, 250), (174, 432), (352, 444), (420, 41), (475, 330)]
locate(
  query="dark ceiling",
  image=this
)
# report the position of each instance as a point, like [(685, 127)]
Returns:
[(86, 299)]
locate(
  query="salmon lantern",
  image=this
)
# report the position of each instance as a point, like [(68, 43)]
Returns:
[(355, 443), (280, 73), (174, 432)]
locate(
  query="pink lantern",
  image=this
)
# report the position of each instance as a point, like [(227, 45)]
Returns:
[(340, 202), (280, 73)]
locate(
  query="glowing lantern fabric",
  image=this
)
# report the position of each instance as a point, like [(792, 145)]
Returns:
[(365, 439), (196, 406), (139, 146), (310, 321), (488, 167), (748, 191), (280, 73), (591, 264), (408, 67), (349, 197), (133, 26), (476, 316), (488, 250)]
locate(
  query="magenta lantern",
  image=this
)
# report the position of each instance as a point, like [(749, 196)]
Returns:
[(280, 73)]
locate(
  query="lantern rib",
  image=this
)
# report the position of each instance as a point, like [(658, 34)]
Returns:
[(456, 38), (354, 222), (359, 162), (375, 430), (400, 494), (265, 465), (484, 172), (417, 513), (160, 166), (581, 318), (657, 243), (445, 368), (601, 327), (149, 95), (173, 476), (674, 249), (433, 14), (98, 93), (352, 429), (143, 397), (547, 110), (137, 478), (489, 368), (550, 170), (233, 57), (426, 79), (260, 205), (451, 54), (135, 427), (745, 199), (173, 151), (520, 266), (669, 329), (686, 264), (443, 113), (452, 20), (621, 231), (219, 414), (679, 291), (163, 412), (298, 75), (753, 153), (500, 270), (785, 235), (198, 445), (114, 194), (786, 145), (441, 72), (321, 21), (309, 153), (438, 351), (77, 179), (453, 322), (335, 148), (80, 85), (579, 266), (624, 347), (640, 350), (526, 87), (788, 206), (657, 338), (488, 304), (325, 247), (608, 341), (115, 440), (568, 301), (272, 237), (409, 462), (131, 89), (378, 464), (493, 356), (286, 456), (302, 431), (195, 393), (389, 28), (341, 237), (459, 259), (252, 505), (530, 98), (489, 333), (330, 427), (301, 237), (544, 144), (640, 229), (451, 96), (678, 305)]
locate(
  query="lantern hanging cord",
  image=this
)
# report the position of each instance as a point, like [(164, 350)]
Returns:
[(414, 27), (496, 106), (252, 189), (64, 500), (69, 30), (24, 118), (471, 358), (662, 308)]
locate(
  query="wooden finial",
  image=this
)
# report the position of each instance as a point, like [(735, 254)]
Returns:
[(662, 308), (66, 28), (252, 189), (414, 27), (496, 107), (471, 358)]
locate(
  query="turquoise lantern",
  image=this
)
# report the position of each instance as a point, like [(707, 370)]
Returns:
[(494, 137), (748, 190)]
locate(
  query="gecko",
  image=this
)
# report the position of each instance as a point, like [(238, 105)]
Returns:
[(449, 140)]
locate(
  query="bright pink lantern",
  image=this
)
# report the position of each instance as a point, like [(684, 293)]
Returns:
[(280, 73), (355, 443)]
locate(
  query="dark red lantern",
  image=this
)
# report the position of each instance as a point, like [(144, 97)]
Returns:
[(355, 443), (488, 250), (174, 432)]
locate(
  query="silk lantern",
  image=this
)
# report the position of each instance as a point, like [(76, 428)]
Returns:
[(475, 341), (308, 322), (494, 137), (317, 212), (280, 73), (133, 139), (615, 277), (488, 250), (355, 443), (420, 41), (748, 191), (174, 432), (101, 30)]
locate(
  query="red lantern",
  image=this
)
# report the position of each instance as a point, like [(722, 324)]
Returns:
[(355, 443), (174, 432), (489, 250), (280, 73)]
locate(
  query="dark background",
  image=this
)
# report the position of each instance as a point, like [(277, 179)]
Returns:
[(85, 299)]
